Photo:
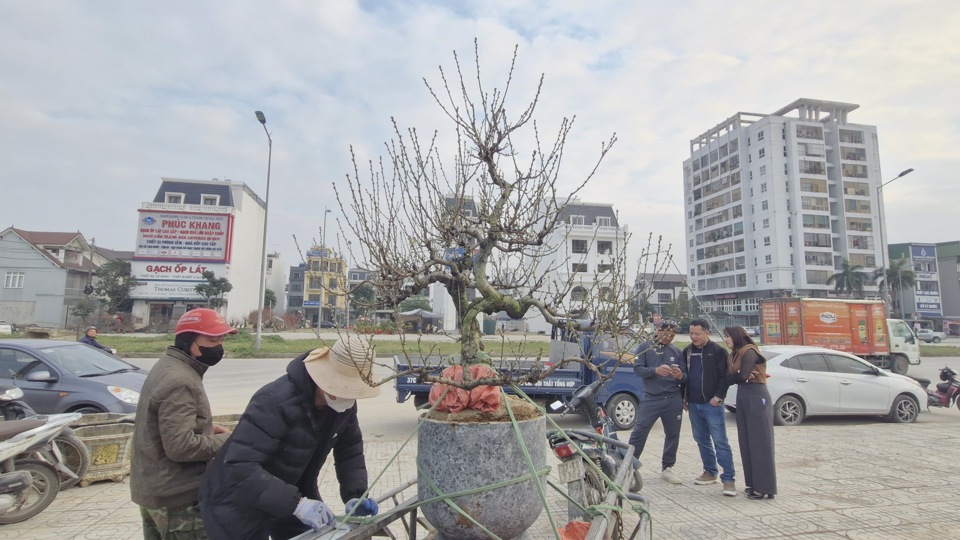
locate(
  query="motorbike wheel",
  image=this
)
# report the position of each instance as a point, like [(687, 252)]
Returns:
[(594, 488), (46, 484), (76, 456)]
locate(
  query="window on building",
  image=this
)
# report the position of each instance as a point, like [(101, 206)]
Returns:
[(578, 294), (604, 222), (763, 187), (769, 277), (576, 220), (768, 259), (664, 298), (764, 205), (766, 240), (578, 246), (760, 135), (316, 283), (295, 275), (210, 200), (313, 297), (13, 280), (174, 198), (761, 153), (578, 267), (766, 223), (604, 268), (604, 247), (332, 299), (763, 170), (333, 283)]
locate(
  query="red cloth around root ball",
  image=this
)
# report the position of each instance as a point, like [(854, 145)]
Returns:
[(482, 398)]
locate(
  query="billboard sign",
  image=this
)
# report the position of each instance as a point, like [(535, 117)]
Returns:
[(165, 290), (923, 253), (168, 280), (174, 271), (183, 236)]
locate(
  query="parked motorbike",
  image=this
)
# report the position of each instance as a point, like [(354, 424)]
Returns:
[(74, 458), (601, 446), (947, 392), (28, 486)]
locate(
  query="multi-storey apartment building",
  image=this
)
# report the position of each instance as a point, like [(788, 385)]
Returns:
[(775, 202)]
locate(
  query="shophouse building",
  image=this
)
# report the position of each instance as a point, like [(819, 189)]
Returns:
[(193, 226)]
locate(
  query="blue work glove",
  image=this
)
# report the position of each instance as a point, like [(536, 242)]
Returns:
[(364, 507), (313, 513)]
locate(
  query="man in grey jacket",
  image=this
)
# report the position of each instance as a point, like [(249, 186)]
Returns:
[(174, 436), (660, 364)]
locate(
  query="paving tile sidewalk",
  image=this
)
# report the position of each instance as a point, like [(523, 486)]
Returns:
[(838, 479)]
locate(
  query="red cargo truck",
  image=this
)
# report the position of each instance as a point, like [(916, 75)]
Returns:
[(855, 326)]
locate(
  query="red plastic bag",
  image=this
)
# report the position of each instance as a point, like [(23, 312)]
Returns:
[(575, 530), (482, 398)]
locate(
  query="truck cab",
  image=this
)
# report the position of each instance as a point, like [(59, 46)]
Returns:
[(904, 345)]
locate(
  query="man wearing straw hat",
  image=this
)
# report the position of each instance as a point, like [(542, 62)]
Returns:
[(263, 481)]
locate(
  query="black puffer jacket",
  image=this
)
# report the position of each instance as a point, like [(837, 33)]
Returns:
[(273, 458)]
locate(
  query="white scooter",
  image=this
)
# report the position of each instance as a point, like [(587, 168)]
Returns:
[(28, 486)]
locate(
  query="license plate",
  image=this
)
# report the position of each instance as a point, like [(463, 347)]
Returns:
[(570, 470)]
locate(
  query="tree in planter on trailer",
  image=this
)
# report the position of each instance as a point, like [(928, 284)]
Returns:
[(478, 222)]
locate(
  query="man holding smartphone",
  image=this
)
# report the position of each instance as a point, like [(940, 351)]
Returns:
[(660, 364)]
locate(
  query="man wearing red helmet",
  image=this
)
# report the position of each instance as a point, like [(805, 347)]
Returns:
[(174, 436)]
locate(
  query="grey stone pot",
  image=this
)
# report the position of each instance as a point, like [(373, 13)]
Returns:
[(459, 457)]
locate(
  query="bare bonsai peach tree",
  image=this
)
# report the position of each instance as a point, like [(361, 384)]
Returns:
[(481, 221)]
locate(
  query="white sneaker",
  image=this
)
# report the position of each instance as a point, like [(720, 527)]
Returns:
[(668, 475)]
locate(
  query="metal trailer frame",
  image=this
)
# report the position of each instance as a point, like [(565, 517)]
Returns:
[(605, 526)]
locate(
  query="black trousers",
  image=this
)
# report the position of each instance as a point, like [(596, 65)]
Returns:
[(669, 410)]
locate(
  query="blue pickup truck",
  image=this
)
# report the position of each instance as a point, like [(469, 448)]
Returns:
[(619, 394)]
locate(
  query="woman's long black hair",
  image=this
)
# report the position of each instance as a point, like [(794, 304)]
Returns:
[(738, 336)]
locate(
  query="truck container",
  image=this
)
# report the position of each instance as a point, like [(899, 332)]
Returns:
[(855, 326), (619, 394)]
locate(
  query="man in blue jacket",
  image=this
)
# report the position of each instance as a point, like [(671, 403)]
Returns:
[(704, 393), (263, 481), (660, 364)]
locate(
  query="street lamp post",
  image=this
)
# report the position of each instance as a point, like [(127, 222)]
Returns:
[(263, 251), (346, 293), (323, 233), (884, 295), (326, 256)]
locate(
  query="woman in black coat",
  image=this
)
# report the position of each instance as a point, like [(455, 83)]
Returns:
[(267, 470), (748, 369)]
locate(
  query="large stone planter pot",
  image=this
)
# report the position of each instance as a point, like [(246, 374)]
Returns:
[(460, 457)]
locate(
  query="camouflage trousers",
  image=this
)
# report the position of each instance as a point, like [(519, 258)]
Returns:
[(182, 523)]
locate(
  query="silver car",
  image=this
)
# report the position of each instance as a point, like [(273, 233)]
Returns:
[(67, 376), (812, 381)]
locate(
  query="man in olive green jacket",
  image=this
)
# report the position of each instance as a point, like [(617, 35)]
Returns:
[(174, 436)]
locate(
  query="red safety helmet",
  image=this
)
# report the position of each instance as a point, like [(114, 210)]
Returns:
[(203, 321)]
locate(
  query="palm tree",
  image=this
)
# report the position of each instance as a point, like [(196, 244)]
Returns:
[(898, 276), (849, 280)]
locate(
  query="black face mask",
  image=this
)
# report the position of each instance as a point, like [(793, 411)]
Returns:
[(209, 356)]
